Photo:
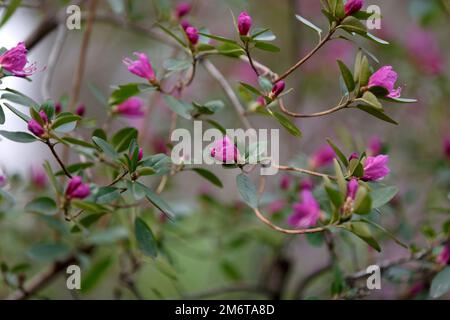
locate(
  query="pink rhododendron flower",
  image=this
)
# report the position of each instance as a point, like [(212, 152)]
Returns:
[(444, 256), (77, 189), (141, 67), (225, 151), (35, 128), (14, 60), (277, 89), (244, 23), (352, 188), (192, 35), (323, 157), (374, 147), (424, 49), (353, 6), (376, 168), (385, 77), (132, 107), (182, 9), (306, 212)]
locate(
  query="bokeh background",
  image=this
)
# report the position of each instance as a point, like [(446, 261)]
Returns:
[(217, 244)]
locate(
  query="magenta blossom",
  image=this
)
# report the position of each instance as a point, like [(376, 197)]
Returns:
[(58, 108), (81, 110), (192, 34), (276, 206), (182, 9), (385, 77), (35, 128), (225, 151), (244, 23), (352, 188), (185, 24), (77, 189), (306, 213), (447, 147), (38, 177), (374, 147), (141, 67), (277, 89), (444, 256), (323, 157), (376, 168), (14, 60), (140, 154), (285, 182), (353, 6), (132, 107)]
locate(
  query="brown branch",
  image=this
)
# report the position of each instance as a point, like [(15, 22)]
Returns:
[(44, 278), (313, 115), (63, 167)]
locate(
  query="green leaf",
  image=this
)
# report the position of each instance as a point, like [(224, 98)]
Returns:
[(361, 230), (370, 99), (73, 168), (340, 178), (123, 92), (382, 196), (48, 251), (96, 272), (70, 120), (79, 142), (122, 139), (106, 195), (399, 100), (9, 11), (106, 147), (247, 190), (17, 136), (157, 201), (335, 196), (351, 24), (145, 238), (374, 38), (287, 124), (251, 89), (440, 284), (267, 46), (218, 38), (88, 206), (108, 236), (2, 115), (309, 24), (181, 108), (209, 107), (19, 98), (388, 233), (208, 175), (172, 35), (364, 72), (363, 202), (261, 34), (376, 113), (42, 205), (347, 76), (265, 83), (338, 152)]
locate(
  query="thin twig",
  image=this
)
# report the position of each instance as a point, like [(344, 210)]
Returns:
[(63, 167), (313, 115)]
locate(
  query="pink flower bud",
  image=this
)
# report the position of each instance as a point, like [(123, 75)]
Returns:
[(354, 155), (132, 107), (81, 110), (244, 23), (141, 67), (140, 154), (77, 189), (58, 108), (38, 177), (14, 60), (306, 184), (182, 9), (225, 151), (376, 168), (352, 188), (261, 101), (35, 128), (306, 212), (353, 6), (278, 88), (185, 24), (323, 157), (43, 116), (192, 35), (385, 77)]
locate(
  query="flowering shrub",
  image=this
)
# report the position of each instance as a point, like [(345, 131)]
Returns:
[(103, 198)]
